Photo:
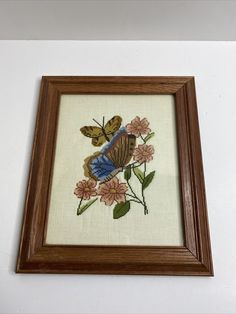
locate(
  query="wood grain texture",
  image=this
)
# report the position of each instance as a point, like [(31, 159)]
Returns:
[(194, 258)]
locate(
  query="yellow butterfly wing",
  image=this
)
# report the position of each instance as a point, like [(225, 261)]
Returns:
[(91, 131), (95, 133), (113, 125), (98, 141)]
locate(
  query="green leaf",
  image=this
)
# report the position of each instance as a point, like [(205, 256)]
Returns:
[(148, 137), (127, 173), (121, 209), (139, 174), (86, 206), (148, 179)]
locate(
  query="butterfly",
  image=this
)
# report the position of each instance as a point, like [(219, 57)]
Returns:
[(102, 133), (104, 165)]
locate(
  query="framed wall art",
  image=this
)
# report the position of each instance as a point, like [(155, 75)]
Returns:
[(116, 179)]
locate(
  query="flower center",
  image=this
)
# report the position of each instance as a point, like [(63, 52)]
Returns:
[(113, 191), (87, 189), (145, 153)]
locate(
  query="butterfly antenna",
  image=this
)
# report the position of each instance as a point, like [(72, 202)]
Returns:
[(103, 130), (103, 121), (97, 123)]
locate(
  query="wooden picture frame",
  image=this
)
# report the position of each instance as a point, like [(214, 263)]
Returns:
[(193, 258)]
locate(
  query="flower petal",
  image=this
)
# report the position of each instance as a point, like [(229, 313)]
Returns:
[(122, 188), (120, 198), (108, 199)]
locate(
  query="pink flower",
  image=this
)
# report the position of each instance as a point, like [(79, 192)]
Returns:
[(138, 127), (143, 153), (112, 191), (85, 189)]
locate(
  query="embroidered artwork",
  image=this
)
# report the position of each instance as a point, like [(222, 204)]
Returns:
[(125, 150), (110, 183)]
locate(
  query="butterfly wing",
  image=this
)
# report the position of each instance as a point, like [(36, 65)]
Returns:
[(91, 131), (98, 141), (120, 149), (95, 133), (113, 125), (104, 165), (98, 167)]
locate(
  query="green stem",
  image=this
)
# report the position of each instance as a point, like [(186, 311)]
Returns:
[(142, 138), (145, 168), (79, 206), (134, 194), (135, 199), (132, 165), (137, 165), (144, 201)]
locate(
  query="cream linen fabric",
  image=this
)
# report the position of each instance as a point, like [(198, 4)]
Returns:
[(163, 224)]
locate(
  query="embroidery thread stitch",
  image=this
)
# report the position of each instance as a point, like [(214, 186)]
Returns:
[(115, 157)]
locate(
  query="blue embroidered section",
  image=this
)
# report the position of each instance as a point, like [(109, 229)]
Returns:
[(102, 167)]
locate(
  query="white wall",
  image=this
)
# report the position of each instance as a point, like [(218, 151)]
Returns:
[(118, 19), (214, 65)]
